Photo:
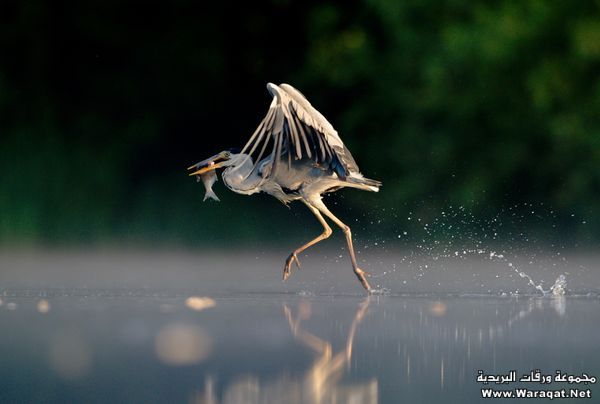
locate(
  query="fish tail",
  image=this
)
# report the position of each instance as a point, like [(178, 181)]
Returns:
[(211, 194)]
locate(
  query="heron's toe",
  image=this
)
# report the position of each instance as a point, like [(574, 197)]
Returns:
[(287, 269), (361, 275), (295, 259)]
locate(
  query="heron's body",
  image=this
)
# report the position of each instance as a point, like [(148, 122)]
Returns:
[(290, 183), (306, 158)]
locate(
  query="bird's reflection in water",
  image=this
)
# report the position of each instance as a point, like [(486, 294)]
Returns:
[(323, 382)]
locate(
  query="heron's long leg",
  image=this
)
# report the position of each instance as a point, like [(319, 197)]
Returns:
[(360, 274), (294, 255)]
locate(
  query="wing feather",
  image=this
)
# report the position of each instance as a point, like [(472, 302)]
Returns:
[(296, 133), (292, 125), (261, 127), (302, 129), (261, 154)]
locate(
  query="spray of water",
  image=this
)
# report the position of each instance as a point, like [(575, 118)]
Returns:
[(455, 233), (558, 288)]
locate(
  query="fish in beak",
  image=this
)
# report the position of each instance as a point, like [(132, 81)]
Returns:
[(205, 172), (208, 179)]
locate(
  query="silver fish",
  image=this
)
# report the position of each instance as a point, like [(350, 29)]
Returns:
[(208, 179)]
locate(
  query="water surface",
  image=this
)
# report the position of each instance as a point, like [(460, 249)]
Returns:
[(171, 327)]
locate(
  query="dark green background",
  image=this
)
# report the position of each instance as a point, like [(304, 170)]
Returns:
[(489, 105)]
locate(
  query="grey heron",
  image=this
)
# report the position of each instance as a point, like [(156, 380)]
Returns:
[(294, 154)]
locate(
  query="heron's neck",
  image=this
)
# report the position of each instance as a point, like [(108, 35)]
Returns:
[(239, 176)]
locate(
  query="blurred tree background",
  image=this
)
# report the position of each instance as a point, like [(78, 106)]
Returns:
[(488, 105)]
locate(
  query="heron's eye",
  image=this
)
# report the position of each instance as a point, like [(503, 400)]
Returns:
[(227, 154)]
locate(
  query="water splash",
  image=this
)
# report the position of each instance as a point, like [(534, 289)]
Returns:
[(560, 286), (380, 292), (458, 234), (522, 274)]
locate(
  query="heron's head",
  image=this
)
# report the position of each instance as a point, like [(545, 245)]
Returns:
[(222, 159)]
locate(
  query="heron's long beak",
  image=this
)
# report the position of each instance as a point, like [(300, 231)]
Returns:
[(207, 165)]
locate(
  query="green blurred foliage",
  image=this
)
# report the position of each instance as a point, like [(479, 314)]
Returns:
[(480, 104)]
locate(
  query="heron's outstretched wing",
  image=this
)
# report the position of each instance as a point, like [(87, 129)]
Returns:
[(293, 129)]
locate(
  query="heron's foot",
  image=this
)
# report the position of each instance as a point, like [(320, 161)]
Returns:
[(361, 275), (287, 269)]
